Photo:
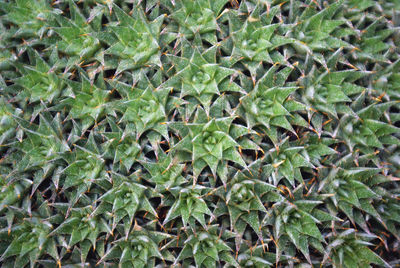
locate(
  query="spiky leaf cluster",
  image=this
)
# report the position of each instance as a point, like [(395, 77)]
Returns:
[(159, 133)]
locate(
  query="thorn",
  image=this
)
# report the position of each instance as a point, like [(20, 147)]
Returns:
[(251, 19), (275, 165), (136, 227), (327, 122)]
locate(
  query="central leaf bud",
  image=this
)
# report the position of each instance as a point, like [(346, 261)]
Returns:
[(209, 141), (207, 244), (242, 195), (263, 106), (249, 44), (197, 17), (208, 138), (146, 107), (137, 248), (201, 78)]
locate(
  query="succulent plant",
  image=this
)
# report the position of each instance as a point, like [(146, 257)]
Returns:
[(7, 124), (83, 229), (200, 76), (244, 207), (206, 248), (140, 249), (269, 107), (134, 41), (41, 82), (189, 205), (124, 201), (253, 133), (76, 34), (346, 243), (31, 241), (210, 144), (166, 173)]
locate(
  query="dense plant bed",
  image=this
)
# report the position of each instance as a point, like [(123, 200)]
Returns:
[(209, 133)]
